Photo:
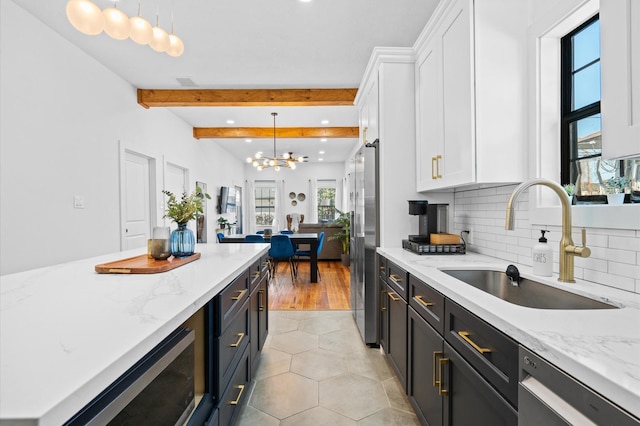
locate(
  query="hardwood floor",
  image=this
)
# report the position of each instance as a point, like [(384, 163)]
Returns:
[(330, 292)]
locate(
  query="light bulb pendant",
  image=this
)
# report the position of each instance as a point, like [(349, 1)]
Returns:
[(85, 16)]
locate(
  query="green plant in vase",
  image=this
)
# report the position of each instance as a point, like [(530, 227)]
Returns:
[(343, 235), (570, 189), (181, 211)]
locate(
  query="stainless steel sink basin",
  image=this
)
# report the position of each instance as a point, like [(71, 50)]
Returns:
[(527, 293)]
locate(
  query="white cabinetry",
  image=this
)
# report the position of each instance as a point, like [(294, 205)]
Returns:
[(620, 59), (470, 97), (386, 104)]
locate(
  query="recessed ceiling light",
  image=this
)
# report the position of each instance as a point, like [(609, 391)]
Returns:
[(230, 121), (305, 1), (323, 140), (325, 122), (247, 140), (320, 152), (320, 159)]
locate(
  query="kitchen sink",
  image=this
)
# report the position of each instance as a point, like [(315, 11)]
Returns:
[(529, 293)]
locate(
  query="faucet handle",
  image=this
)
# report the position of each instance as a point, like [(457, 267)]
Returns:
[(584, 237), (583, 251)]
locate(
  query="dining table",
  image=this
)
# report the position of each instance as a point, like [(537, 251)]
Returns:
[(302, 238)]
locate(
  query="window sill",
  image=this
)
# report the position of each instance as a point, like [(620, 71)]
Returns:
[(625, 216)]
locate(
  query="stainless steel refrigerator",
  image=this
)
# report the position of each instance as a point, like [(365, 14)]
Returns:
[(365, 230)]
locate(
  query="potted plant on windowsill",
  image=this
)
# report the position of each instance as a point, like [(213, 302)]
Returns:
[(570, 189), (181, 211), (343, 235), (616, 188)]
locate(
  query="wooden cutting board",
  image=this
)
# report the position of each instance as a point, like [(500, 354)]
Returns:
[(144, 265), (445, 239)]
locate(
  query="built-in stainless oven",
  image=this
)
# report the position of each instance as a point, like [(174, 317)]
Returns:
[(157, 390)]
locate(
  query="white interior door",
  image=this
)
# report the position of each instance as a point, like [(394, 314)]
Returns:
[(135, 201)]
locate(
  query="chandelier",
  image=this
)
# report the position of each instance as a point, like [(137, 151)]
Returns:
[(287, 159), (87, 18)]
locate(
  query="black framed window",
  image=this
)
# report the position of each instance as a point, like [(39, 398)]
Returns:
[(581, 129), (326, 200)]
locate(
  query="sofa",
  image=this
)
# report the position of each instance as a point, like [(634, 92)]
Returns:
[(331, 249)]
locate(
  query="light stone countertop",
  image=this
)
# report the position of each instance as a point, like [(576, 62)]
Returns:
[(66, 332), (600, 348)]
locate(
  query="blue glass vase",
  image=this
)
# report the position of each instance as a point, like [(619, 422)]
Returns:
[(183, 243)]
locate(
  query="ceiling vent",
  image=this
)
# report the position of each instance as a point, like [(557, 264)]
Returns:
[(186, 82)]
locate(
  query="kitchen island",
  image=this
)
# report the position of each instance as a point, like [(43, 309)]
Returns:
[(66, 332), (600, 348)]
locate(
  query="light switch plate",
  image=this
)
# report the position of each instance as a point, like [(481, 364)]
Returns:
[(78, 201)]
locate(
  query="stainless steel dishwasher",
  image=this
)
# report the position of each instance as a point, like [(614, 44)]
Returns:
[(548, 396)]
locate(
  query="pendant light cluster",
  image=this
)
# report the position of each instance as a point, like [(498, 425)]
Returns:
[(285, 160), (87, 18)]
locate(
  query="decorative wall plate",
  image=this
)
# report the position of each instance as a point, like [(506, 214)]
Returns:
[(292, 195), (294, 203), (301, 197)]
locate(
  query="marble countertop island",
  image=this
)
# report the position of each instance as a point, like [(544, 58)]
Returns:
[(600, 348), (66, 332)]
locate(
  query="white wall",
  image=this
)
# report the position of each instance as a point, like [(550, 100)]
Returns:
[(63, 116), (297, 181)]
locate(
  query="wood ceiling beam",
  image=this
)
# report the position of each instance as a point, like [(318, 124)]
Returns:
[(245, 97), (281, 132)]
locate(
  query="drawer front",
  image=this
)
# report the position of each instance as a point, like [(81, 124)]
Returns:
[(255, 274), (427, 302), (398, 279), (382, 267), (264, 266), (493, 354), (236, 393), (230, 347), (230, 300)]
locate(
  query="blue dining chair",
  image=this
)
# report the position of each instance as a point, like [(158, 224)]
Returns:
[(307, 253), (286, 232), (220, 237), (282, 249), (254, 239)]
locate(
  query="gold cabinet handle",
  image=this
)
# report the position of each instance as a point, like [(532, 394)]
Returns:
[(364, 135), (465, 337), (236, 344), (395, 278), (261, 304), (438, 158), (237, 400), (381, 268), (393, 297), (433, 168), (422, 302), (255, 275), (436, 381), (240, 294), (382, 307), (441, 391)]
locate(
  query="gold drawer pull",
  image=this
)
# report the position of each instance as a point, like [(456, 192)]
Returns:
[(393, 297), (256, 274), (433, 169), (382, 307), (438, 158), (442, 392), (261, 307), (240, 294), (422, 302), (381, 268), (465, 336), (237, 400), (395, 278), (436, 355), (236, 344)]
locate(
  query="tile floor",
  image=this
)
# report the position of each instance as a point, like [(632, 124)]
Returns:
[(315, 370)]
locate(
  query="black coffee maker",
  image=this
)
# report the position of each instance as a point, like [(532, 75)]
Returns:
[(433, 219)]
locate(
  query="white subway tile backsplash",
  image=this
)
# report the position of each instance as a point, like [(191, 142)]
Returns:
[(615, 253)]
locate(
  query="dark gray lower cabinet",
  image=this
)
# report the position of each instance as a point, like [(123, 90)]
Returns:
[(469, 399), (384, 314), (396, 347), (259, 326), (425, 351)]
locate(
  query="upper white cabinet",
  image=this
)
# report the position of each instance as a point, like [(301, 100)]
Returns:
[(385, 100), (620, 59), (470, 94)]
